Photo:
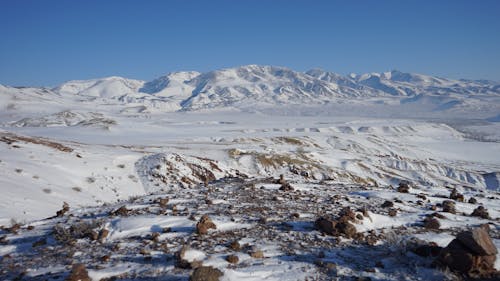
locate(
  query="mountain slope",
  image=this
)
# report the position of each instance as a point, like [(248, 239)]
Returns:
[(254, 86)]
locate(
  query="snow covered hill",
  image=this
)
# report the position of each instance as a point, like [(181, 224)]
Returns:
[(254, 86)]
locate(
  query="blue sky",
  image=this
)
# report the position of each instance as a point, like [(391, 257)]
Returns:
[(49, 42)]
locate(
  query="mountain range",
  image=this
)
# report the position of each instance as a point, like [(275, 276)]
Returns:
[(264, 86)]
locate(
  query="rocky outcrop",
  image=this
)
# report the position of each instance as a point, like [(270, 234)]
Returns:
[(471, 253)]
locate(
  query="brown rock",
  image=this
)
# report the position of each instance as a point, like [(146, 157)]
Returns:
[(205, 273), (286, 187), (235, 246), (347, 229), (393, 212), (232, 259), (403, 187), (481, 212), (257, 254), (204, 225), (472, 200), (103, 234), (122, 211), (431, 223), (455, 195), (78, 273), (162, 202), (428, 250), (478, 241), (472, 254), (387, 204), (326, 225), (449, 206)]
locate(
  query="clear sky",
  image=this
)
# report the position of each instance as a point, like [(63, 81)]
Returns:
[(52, 41)]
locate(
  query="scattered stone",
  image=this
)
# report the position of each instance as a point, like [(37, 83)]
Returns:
[(455, 195), (122, 211), (204, 225), (393, 212), (155, 236), (481, 212), (163, 202), (232, 259), (257, 254), (472, 200), (205, 273), (235, 246), (286, 187), (431, 223), (347, 229), (403, 187), (65, 209), (326, 225), (105, 258), (103, 234), (471, 253), (449, 206), (30, 227), (387, 204), (78, 273)]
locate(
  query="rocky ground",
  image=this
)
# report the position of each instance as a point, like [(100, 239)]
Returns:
[(264, 229)]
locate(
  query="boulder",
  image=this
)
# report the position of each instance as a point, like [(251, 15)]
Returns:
[(205, 273), (471, 253), (431, 223), (455, 195), (478, 241), (481, 212), (404, 187), (204, 225), (78, 273), (449, 206)]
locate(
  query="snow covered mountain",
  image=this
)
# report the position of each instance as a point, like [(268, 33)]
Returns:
[(254, 86)]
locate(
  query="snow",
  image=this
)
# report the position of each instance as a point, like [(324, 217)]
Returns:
[(149, 139)]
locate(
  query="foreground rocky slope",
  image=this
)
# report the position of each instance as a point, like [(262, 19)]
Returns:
[(263, 229)]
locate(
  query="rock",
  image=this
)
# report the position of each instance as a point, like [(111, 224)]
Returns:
[(232, 259), (455, 195), (65, 209), (205, 273), (326, 225), (347, 229), (181, 262), (257, 254), (204, 225), (428, 250), (481, 212), (105, 258), (235, 246), (347, 214), (162, 202), (387, 204), (78, 273), (478, 241), (431, 223), (471, 253), (286, 187), (281, 180), (393, 212), (403, 187), (449, 206), (103, 234), (472, 200), (122, 211)]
